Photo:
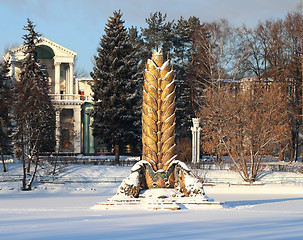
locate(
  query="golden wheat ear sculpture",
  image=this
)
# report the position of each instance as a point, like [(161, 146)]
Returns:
[(158, 113), (158, 168)]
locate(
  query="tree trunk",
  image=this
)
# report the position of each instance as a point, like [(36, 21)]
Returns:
[(29, 165), (3, 162), (117, 154), (29, 186), (296, 150), (24, 168), (281, 153), (291, 149), (55, 164)]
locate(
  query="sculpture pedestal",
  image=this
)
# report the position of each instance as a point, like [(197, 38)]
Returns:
[(141, 190), (158, 199)]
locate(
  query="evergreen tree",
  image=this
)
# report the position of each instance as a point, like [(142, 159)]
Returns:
[(183, 44), (115, 88), (135, 38), (158, 34), (182, 56), (5, 119), (33, 110)]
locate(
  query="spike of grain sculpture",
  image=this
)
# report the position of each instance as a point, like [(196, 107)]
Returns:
[(158, 167), (158, 113)]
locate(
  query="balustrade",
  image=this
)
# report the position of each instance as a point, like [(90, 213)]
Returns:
[(71, 97)]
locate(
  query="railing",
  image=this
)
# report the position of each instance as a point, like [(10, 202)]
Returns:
[(237, 181), (62, 180), (10, 178), (206, 180), (93, 160), (71, 97)]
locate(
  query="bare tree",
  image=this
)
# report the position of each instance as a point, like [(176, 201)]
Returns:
[(274, 54), (246, 125), (218, 55)]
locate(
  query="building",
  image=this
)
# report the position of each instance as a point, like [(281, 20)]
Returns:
[(71, 96)]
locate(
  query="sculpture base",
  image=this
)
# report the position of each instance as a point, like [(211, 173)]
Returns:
[(149, 189), (158, 199)]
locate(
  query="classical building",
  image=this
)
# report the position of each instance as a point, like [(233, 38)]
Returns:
[(71, 96)]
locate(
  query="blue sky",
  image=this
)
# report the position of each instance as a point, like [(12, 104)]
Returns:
[(79, 24)]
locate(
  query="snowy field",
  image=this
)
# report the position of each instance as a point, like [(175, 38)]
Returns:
[(64, 210)]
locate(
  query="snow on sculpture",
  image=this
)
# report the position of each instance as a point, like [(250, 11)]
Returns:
[(159, 180)]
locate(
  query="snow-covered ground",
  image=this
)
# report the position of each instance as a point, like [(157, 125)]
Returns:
[(64, 210)]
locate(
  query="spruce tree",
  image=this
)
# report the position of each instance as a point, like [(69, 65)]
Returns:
[(136, 40), (158, 34), (5, 114), (182, 55), (33, 110), (115, 88)]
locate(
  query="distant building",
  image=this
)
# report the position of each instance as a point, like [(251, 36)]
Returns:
[(71, 97)]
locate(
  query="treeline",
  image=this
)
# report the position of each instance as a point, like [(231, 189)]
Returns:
[(210, 60), (268, 55), (216, 55)]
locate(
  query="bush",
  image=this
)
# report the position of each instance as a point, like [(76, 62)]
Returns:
[(184, 150)]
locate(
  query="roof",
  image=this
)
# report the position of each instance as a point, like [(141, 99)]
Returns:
[(59, 51)]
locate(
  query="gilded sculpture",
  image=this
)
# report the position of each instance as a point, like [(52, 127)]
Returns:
[(158, 167), (159, 181), (158, 113)]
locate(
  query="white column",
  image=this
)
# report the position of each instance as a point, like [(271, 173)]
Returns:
[(76, 86), (195, 140), (58, 130), (77, 130), (67, 81), (57, 78), (71, 78)]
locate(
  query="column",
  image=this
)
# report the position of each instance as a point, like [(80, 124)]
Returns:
[(67, 82), (91, 137), (85, 140), (195, 140), (77, 130), (76, 86), (57, 78), (58, 130), (193, 148), (71, 78)]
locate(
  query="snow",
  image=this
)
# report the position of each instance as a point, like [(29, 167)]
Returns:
[(165, 65), (138, 165), (182, 164), (64, 211)]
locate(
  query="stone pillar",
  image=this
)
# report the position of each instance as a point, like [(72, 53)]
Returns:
[(58, 130), (91, 137), (76, 86), (85, 129), (57, 77), (67, 82), (77, 130), (71, 78), (195, 140)]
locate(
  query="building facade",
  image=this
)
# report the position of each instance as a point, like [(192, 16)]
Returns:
[(71, 96)]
